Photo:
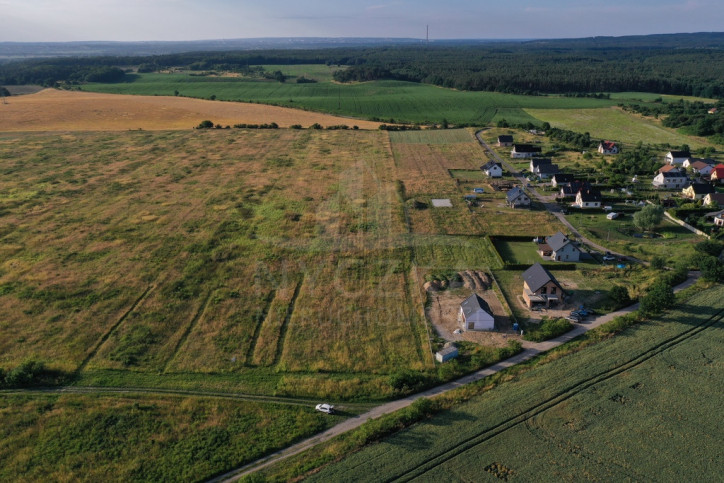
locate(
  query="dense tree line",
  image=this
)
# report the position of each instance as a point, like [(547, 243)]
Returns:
[(696, 117), (577, 67)]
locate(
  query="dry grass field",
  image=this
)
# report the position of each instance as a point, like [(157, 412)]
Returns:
[(56, 110)]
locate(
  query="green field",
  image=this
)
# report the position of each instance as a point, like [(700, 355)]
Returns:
[(318, 72), (385, 100), (614, 124), (650, 97), (626, 408)]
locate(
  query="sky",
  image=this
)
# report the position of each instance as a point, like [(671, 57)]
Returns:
[(136, 20)]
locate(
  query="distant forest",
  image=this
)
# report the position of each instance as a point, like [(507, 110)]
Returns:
[(682, 64)]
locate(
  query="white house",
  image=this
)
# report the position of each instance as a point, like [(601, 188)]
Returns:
[(505, 141), (559, 248), (697, 191), (699, 167), (714, 199), (676, 157), (524, 151), (608, 147), (562, 179), (670, 180), (517, 198), (536, 163), (588, 198), (492, 169), (475, 314)]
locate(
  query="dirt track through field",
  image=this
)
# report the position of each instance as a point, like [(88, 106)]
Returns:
[(56, 110)]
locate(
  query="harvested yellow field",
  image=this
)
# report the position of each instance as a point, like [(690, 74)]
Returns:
[(56, 110)]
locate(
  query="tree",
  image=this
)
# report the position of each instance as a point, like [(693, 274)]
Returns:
[(205, 125), (619, 294), (649, 217), (710, 247), (660, 296)]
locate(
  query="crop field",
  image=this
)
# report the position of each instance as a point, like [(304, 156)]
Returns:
[(55, 110), (77, 437), (617, 125), (270, 255), (384, 100), (626, 408), (650, 97), (318, 72)]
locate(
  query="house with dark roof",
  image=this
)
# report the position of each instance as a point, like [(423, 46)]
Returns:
[(559, 248), (673, 179), (517, 198), (492, 169), (505, 141), (562, 179), (677, 157), (524, 151), (715, 199), (608, 147), (536, 163), (541, 287), (697, 191), (546, 171), (475, 314), (572, 190), (588, 198)]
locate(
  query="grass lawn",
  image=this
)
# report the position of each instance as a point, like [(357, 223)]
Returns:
[(614, 124), (602, 422)]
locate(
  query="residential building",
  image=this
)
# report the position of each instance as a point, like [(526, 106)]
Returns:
[(545, 171), (668, 168), (670, 180), (475, 314), (536, 163), (714, 199), (524, 151), (588, 198), (516, 198), (717, 173), (540, 286), (493, 169), (608, 147), (677, 157), (559, 248), (697, 191), (505, 141), (562, 179)]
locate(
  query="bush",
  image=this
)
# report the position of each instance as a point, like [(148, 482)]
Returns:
[(30, 373), (659, 297), (205, 124), (619, 294), (408, 381), (547, 329)]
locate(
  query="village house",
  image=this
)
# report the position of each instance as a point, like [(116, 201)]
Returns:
[(493, 169), (540, 286), (714, 199), (516, 198), (505, 141), (719, 220), (545, 171), (717, 173), (562, 179), (677, 157), (588, 198), (572, 190), (524, 151), (608, 147), (475, 314), (697, 191), (713, 110), (670, 180), (536, 163), (699, 166), (668, 168), (559, 248)]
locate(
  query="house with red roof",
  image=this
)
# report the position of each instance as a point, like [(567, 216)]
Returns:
[(717, 173), (608, 147)]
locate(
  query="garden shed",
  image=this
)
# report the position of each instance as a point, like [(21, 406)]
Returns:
[(447, 353)]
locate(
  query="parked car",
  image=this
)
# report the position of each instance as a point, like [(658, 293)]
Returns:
[(325, 408), (573, 318), (612, 216), (608, 258)]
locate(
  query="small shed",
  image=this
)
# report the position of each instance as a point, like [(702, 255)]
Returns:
[(447, 353), (475, 314)]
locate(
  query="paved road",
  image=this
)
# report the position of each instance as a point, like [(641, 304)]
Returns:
[(530, 350)]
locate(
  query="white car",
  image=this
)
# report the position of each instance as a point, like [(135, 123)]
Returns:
[(325, 408), (608, 258)]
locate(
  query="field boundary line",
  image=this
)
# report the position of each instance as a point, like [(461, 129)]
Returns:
[(562, 396), (112, 329), (285, 323), (187, 331), (257, 330)]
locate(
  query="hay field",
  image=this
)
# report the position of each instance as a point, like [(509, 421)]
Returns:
[(56, 110)]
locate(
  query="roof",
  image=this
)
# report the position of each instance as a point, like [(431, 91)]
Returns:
[(548, 168), (717, 197), (563, 177), (590, 194), (505, 139), (699, 165), (667, 168), (672, 174), (514, 193), (490, 165), (718, 171), (608, 145), (442, 203), (536, 162), (557, 241), (537, 276), (702, 188), (474, 304), (526, 148), (451, 349), (679, 154)]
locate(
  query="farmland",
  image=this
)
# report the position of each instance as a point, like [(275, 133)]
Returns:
[(613, 123), (384, 100), (624, 408)]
